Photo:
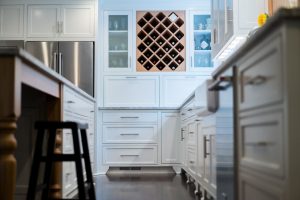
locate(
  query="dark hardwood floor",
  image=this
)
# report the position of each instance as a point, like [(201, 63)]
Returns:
[(143, 187)]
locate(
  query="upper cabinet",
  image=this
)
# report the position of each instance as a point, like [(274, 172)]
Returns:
[(54, 21), (200, 41), (118, 41), (231, 22), (11, 21)]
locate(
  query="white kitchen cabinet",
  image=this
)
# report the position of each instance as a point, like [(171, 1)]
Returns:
[(129, 155), (61, 21), (131, 91), (170, 138), (11, 21), (200, 42), (79, 109), (175, 89), (231, 22), (130, 137), (268, 112), (118, 41)]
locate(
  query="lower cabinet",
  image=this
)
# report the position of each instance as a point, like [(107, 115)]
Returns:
[(170, 138), (199, 148), (77, 108), (140, 137)]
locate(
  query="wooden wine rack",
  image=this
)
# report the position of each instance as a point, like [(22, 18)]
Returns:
[(160, 41)]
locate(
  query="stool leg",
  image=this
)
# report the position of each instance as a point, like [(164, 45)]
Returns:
[(35, 165), (87, 162), (49, 162), (78, 163)]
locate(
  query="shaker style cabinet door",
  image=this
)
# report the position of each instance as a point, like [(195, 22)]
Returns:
[(77, 21), (118, 41), (43, 21), (131, 91), (170, 138), (54, 21), (200, 42), (175, 89), (11, 20)]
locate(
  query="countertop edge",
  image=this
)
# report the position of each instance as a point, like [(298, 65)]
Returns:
[(25, 56)]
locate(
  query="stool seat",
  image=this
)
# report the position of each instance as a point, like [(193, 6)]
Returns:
[(50, 128)]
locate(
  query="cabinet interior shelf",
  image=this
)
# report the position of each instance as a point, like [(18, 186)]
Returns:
[(118, 51), (121, 31), (202, 31), (202, 51)]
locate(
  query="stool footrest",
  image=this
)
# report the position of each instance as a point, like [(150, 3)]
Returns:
[(63, 157)]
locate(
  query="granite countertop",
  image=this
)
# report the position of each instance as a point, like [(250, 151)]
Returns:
[(38, 65), (281, 16)]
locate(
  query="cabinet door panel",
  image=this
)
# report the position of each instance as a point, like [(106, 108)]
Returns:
[(78, 21), (11, 20), (43, 21), (170, 137), (117, 42), (131, 91), (175, 89)]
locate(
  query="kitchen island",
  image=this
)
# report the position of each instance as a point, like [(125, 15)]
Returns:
[(25, 78)]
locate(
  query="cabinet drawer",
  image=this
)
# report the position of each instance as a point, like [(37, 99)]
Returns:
[(261, 143), (129, 117), (191, 159), (252, 187), (192, 134), (130, 134), (260, 76), (130, 155), (188, 110)]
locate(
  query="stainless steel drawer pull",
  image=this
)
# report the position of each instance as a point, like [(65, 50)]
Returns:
[(129, 134), (182, 114), (70, 101), (130, 155), (191, 132), (131, 77), (205, 140), (192, 162), (198, 120), (129, 117), (258, 143), (221, 83), (190, 109), (257, 80)]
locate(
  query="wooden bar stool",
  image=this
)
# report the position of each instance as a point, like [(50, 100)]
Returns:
[(51, 127)]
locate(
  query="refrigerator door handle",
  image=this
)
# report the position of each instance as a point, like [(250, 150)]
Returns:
[(60, 63), (55, 61)]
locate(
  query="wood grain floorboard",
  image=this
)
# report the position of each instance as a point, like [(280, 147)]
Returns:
[(143, 187)]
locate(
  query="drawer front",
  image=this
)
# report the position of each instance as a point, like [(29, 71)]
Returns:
[(188, 110), (192, 134), (192, 160), (260, 77), (261, 143), (129, 117), (130, 134), (130, 155), (252, 187), (75, 103)]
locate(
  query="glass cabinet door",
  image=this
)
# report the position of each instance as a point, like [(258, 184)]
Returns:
[(201, 42), (117, 43)]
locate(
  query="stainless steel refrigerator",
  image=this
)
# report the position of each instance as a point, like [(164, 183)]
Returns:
[(73, 60)]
